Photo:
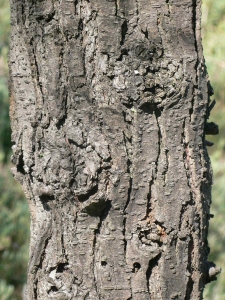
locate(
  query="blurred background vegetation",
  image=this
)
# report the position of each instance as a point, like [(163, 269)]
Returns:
[(14, 216), (213, 34)]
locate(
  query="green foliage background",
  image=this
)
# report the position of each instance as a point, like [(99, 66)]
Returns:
[(213, 33), (14, 216)]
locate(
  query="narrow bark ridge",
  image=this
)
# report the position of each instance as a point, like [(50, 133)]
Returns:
[(109, 101)]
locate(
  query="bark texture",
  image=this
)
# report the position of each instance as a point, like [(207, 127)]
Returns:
[(109, 102)]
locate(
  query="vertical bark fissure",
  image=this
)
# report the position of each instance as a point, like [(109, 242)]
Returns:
[(151, 265), (36, 67), (194, 20), (129, 172), (157, 115), (137, 9), (94, 259), (97, 232), (116, 5)]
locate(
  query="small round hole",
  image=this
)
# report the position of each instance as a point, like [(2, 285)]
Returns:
[(103, 263), (136, 267)]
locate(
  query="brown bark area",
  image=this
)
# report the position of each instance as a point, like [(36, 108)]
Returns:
[(109, 101)]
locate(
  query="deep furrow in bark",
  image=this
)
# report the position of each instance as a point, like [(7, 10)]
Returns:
[(157, 115), (94, 260)]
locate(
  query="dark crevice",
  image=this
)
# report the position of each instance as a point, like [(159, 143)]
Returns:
[(129, 195), (183, 209), (23, 15), (116, 5), (53, 289), (20, 165), (148, 208), (194, 20), (124, 52), (36, 65), (186, 168), (83, 146), (128, 105), (136, 267), (43, 252), (47, 18), (80, 29), (75, 6), (129, 164), (145, 33), (152, 264), (86, 196), (160, 224), (103, 216), (63, 249), (151, 90), (61, 267), (111, 77), (35, 289), (148, 108), (167, 164), (63, 105), (45, 199), (125, 218), (158, 115), (95, 208), (124, 30), (103, 263), (61, 121)]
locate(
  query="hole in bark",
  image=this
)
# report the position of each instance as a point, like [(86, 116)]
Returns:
[(136, 267), (153, 263), (61, 122), (46, 198), (48, 17), (148, 108), (145, 33), (103, 263), (86, 196), (157, 112), (80, 25), (53, 289), (111, 77), (20, 166), (95, 208), (61, 268), (123, 52), (124, 29)]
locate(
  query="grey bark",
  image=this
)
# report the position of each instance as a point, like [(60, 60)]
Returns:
[(109, 102)]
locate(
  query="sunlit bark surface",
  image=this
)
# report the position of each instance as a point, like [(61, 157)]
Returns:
[(109, 102)]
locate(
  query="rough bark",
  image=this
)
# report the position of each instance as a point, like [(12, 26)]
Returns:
[(109, 102)]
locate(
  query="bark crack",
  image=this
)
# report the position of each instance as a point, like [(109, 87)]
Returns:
[(129, 166), (94, 247), (157, 115), (153, 263)]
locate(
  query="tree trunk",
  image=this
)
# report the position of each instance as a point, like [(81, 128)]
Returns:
[(109, 102)]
